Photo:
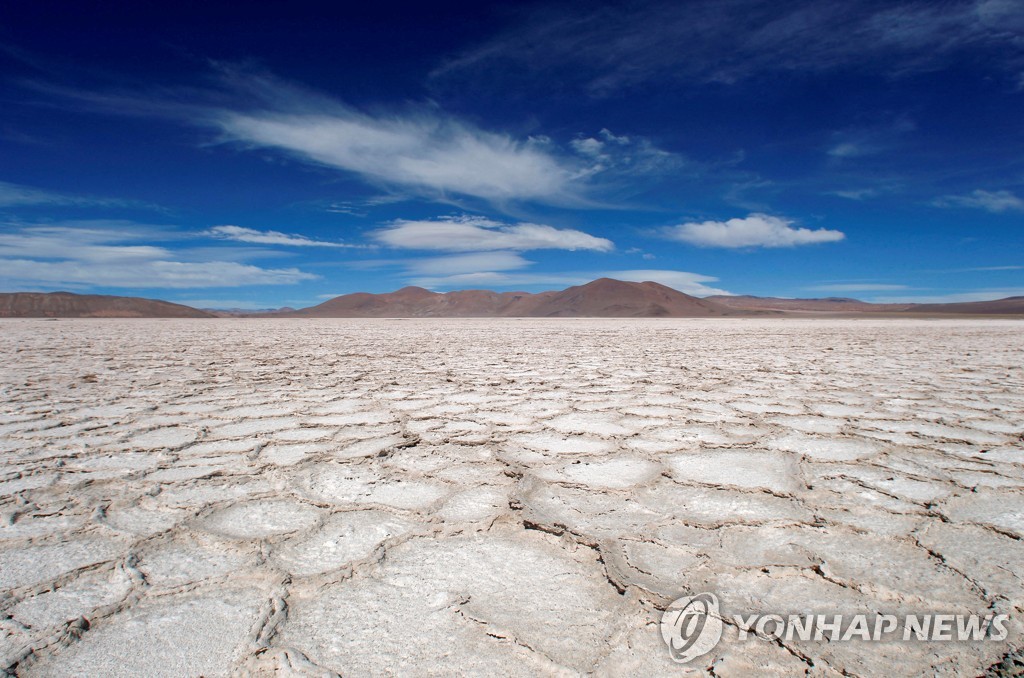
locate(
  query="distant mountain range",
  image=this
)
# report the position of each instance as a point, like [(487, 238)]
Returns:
[(605, 298), (69, 305), (601, 298), (826, 305), (844, 306), (1009, 305), (246, 312)]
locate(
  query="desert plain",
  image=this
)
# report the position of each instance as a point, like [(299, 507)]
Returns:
[(500, 496)]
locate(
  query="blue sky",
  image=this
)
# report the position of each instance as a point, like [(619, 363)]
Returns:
[(272, 154)]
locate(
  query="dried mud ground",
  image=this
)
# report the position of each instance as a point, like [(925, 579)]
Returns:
[(500, 497)]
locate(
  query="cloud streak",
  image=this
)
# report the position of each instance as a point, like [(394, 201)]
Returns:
[(18, 195), (109, 256), (866, 141), (856, 287), (155, 274), (624, 155), (467, 263), (250, 235), (414, 150), (474, 234), (621, 45), (423, 151), (987, 294), (990, 201), (688, 283), (755, 230)]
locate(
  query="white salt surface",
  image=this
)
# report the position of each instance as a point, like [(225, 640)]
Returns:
[(515, 497)]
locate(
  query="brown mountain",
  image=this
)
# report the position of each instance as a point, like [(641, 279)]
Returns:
[(1007, 306), (69, 305), (249, 312), (617, 299), (845, 306), (601, 298)]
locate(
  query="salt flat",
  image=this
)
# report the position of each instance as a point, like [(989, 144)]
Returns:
[(511, 497)]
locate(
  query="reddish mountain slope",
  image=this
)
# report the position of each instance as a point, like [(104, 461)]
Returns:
[(840, 305), (600, 298), (1007, 306), (68, 305), (617, 299)]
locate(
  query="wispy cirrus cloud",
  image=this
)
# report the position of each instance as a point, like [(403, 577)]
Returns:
[(424, 151), (458, 264), (251, 235), (982, 269), (225, 304), (100, 240), (624, 44), (754, 230), (624, 155), (419, 148), (856, 287), (986, 294), (415, 150), (859, 142), (857, 193), (113, 254), (495, 280), (446, 264), (990, 201), (149, 274), (361, 207), (471, 234), (18, 195)]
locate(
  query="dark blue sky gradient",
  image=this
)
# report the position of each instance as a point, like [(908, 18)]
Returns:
[(221, 154)]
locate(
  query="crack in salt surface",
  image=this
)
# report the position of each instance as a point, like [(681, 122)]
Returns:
[(232, 474)]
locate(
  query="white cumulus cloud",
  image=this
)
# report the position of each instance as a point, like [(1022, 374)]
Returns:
[(755, 230)]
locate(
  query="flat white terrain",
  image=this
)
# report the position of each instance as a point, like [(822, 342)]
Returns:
[(500, 497)]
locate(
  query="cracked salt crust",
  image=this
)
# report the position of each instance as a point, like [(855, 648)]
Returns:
[(500, 496), (344, 538), (264, 518), (737, 468)]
